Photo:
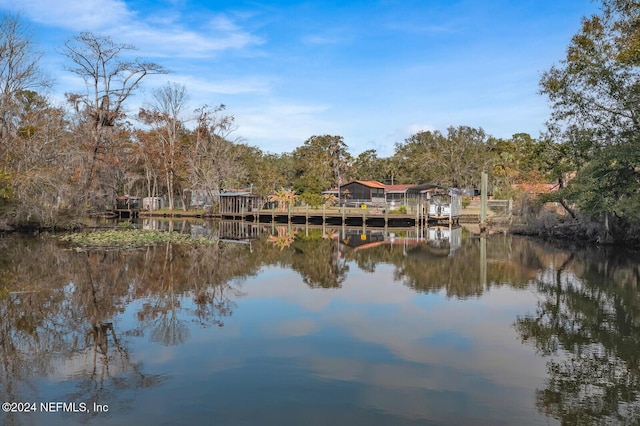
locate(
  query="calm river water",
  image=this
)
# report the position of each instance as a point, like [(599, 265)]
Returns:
[(285, 326)]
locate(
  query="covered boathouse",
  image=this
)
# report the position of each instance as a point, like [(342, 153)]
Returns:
[(238, 202), (439, 203)]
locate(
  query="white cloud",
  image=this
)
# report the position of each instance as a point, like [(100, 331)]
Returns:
[(162, 34), (73, 15)]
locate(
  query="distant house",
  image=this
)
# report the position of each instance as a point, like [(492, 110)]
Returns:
[(362, 192), (396, 193), (537, 188)]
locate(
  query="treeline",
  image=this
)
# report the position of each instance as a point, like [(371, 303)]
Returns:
[(57, 162)]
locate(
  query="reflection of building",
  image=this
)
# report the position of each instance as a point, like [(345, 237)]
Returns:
[(445, 237), (358, 239), (231, 230), (438, 240)]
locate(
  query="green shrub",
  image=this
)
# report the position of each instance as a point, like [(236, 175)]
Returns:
[(399, 210), (314, 200)]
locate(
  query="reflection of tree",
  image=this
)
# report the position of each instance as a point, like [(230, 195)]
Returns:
[(311, 253), (426, 268), (60, 307), (59, 313), (589, 322), (318, 261), (282, 239)]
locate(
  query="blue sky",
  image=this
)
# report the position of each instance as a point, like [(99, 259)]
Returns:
[(374, 72)]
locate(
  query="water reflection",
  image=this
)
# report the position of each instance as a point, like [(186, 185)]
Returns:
[(588, 325), (416, 328)]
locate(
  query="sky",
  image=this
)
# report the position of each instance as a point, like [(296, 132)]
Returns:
[(374, 72)]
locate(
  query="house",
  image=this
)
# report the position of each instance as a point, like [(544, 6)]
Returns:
[(396, 195), (370, 192)]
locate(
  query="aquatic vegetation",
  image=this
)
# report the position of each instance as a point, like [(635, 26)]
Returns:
[(130, 238)]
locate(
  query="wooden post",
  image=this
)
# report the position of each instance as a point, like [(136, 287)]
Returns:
[(510, 210), (483, 202), (386, 216), (364, 220)]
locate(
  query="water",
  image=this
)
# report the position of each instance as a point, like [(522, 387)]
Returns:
[(278, 326)]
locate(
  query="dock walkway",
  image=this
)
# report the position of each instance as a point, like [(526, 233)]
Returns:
[(344, 216)]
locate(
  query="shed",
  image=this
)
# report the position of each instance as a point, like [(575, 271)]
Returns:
[(239, 202), (127, 202), (443, 203)]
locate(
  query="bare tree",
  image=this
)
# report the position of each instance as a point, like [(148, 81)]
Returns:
[(110, 81), (164, 117), (214, 160), (19, 72)]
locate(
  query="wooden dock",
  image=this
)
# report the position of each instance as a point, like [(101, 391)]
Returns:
[(341, 217), (126, 213)]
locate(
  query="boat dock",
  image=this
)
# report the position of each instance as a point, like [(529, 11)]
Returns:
[(346, 217)]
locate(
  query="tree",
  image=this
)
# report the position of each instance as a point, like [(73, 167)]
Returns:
[(368, 166), (595, 95), (164, 117), (321, 163), (19, 71), (285, 198), (110, 81), (456, 159), (214, 161)]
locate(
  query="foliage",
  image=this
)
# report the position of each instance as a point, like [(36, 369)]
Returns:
[(320, 163), (609, 184), (215, 162), (368, 166), (399, 210), (466, 201), (455, 159), (314, 200), (285, 198), (330, 199), (6, 193), (596, 114), (166, 129), (110, 81)]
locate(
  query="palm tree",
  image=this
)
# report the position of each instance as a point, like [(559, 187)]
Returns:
[(284, 198)]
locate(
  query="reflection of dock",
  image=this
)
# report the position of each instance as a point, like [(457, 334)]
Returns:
[(440, 238), (238, 232)]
